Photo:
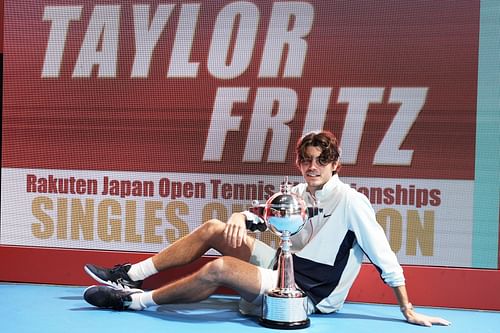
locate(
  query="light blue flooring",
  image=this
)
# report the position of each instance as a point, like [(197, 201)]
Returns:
[(47, 308)]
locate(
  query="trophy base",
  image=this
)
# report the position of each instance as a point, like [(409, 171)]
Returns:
[(285, 311), (285, 325)]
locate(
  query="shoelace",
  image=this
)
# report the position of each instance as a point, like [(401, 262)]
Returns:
[(117, 268), (118, 285)]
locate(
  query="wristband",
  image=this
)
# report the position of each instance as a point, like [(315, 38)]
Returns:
[(408, 306), (253, 222)]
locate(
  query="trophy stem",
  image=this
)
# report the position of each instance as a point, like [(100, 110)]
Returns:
[(286, 279)]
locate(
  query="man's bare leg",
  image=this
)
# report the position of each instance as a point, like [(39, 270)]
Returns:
[(225, 271), (228, 238), (191, 247), (231, 270)]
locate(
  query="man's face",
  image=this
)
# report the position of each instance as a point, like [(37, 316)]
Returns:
[(315, 171)]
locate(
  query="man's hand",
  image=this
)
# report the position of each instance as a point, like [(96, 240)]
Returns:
[(420, 319), (409, 312), (236, 231)]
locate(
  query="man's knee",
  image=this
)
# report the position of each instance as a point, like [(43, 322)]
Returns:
[(214, 270), (213, 227)]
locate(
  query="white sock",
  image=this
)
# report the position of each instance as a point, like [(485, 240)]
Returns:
[(140, 301), (142, 270)]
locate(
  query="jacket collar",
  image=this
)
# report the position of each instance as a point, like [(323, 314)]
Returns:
[(327, 189)]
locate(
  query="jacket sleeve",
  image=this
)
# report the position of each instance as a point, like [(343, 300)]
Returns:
[(372, 240), (254, 222)]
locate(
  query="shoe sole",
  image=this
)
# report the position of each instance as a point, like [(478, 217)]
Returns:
[(132, 291), (111, 284)]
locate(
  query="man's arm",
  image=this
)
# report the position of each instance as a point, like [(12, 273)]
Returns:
[(238, 225), (409, 312), (373, 241)]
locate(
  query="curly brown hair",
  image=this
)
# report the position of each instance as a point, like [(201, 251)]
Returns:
[(325, 140)]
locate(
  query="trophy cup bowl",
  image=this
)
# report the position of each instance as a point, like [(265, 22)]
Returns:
[(284, 214), (285, 307)]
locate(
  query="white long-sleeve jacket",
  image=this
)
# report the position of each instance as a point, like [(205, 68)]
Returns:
[(328, 251)]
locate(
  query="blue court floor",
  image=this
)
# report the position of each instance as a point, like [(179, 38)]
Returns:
[(47, 308)]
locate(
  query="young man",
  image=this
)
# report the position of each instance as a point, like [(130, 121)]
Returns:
[(328, 251)]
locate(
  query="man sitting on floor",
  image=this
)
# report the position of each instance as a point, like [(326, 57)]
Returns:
[(328, 252)]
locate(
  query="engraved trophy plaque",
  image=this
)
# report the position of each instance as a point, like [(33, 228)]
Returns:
[(285, 307)]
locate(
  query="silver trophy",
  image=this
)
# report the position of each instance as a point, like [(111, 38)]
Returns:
[(285, 307)]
